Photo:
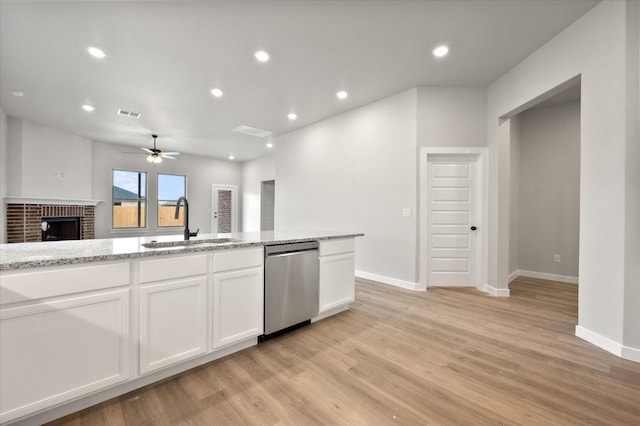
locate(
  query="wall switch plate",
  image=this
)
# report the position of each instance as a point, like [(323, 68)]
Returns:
[(61, 175), (556, 258), (406, 212)]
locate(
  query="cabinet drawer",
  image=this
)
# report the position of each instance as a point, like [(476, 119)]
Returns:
[(237, 259), (23, 286), (330, 247), (172, 267)]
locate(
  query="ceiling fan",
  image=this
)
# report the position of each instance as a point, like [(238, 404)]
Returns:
[(156, 155)]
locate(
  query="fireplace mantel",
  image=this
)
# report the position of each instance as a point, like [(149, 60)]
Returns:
[(46, 201)]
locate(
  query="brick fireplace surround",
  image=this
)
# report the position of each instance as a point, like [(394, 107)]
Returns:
[(24, 220)]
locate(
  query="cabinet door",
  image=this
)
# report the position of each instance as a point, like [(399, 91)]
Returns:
[(173, 322), (336, 281), (57, 350), (237, 305)]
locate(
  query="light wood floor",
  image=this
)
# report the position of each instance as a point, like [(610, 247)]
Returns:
[(447, 356)]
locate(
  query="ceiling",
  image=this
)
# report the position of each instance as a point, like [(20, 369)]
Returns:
[(163, 58)]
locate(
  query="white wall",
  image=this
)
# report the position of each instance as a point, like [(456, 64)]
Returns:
[(356, 172), (603, 186), (48, 162), (201, 174), (253, 173), (514, 206), (3, 176), (452, 116), (549, 189)]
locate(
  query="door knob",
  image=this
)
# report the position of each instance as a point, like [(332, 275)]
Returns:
[(473, 228)]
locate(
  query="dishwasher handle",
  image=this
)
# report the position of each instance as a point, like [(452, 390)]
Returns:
[(293, 248)]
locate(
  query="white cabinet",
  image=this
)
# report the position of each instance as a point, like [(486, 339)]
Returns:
[(337, 279), (238, 295), (62, 348), (173, 310), (173, 322)]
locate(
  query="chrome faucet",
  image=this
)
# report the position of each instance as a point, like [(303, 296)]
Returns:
[(187, 234)]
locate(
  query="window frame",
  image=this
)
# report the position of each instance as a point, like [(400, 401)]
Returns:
[(139, 201), (158, 200)]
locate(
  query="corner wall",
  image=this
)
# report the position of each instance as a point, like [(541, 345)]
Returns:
[(603, 185), (357, 172), (3, 176)]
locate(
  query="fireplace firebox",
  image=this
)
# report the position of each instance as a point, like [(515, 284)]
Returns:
[(61, 228)]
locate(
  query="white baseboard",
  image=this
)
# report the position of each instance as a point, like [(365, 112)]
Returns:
[(543, 276), (330, 312), (498, 292), (626, 352), (391, 281)]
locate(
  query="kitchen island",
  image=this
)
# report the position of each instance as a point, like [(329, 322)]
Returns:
[(84, 321)]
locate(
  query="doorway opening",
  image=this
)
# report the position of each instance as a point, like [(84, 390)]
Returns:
[(544, 193), (267, 205)]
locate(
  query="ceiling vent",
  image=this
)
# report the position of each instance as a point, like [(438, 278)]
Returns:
[(252, 131), (129, 113)]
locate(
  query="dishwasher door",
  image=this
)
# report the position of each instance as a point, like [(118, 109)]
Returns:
[(292, 277)]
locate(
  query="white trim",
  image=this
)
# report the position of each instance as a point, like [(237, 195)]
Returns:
[(632, 354), (391, 281), (498, 292), (483, 199), (330, 312), (512, 276), (543, 276), (10, 199), (626, 352)]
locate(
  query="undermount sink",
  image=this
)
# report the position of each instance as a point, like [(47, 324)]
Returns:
[(167, 244)]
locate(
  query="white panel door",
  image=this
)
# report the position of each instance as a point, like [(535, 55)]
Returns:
[(452, 220)]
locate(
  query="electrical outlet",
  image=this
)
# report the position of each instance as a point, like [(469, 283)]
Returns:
[(556, 258)]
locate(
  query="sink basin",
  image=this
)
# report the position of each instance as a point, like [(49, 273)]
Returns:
[(187, 243)]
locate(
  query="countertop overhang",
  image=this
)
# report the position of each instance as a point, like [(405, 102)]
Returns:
[(51, 253)]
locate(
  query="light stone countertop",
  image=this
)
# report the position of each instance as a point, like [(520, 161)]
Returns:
[(50, 253)]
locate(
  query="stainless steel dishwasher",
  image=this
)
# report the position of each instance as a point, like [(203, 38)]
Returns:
[(291, 281)]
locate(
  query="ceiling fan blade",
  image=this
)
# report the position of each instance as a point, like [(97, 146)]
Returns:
[(147, 150), (168, 157), (170, 153)]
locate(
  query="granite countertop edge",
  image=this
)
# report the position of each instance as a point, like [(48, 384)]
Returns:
[(143, 253)]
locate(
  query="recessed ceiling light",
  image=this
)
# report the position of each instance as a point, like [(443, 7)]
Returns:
[(292, 116), (17, 93), (216, 92), (96, 52), (440, 51), (88, 108), (342, 94), (269, 145), (231, 157), (261, 55)]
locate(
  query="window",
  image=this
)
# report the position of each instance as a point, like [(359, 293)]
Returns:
[(129, 199), (170, 188)]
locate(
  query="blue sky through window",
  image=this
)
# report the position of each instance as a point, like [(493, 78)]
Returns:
[(129, 181), (170, 187)]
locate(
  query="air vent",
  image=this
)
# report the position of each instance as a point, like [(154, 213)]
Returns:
[(129, 113), (252, 131)]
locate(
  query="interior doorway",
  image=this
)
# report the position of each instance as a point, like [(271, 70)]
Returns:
[(224, 209), (544, 217), (267, 205), (453, 188)]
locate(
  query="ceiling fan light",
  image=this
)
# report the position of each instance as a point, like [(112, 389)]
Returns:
[(150, 158)]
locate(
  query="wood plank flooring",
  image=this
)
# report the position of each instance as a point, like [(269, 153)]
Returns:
[(447, 356)]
